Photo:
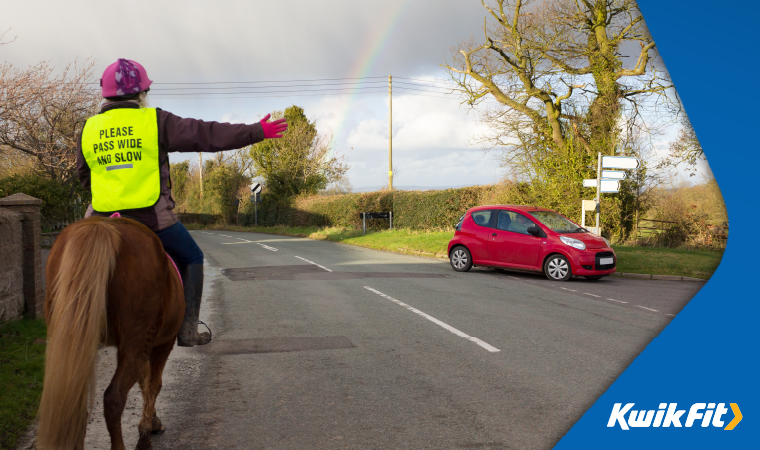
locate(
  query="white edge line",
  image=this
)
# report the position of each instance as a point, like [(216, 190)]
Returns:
[(312, 262), (448, 327), (514, 278), (644, 307), (613, 300)]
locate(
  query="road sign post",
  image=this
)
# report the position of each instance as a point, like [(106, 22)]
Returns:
[(376, 215), (607, 180), (598, 192), (255, 189)]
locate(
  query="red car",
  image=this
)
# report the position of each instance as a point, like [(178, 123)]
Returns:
[(529, 238)]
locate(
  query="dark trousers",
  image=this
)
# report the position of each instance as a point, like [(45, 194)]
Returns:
[(180, 245)]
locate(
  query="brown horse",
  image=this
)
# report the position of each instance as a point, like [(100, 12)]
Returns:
[(112, 284)]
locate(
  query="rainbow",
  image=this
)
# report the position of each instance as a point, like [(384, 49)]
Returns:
[(371, 52)]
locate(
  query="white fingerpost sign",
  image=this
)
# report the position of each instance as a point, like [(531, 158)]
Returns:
[(607, 187), (619, 162), (613, 175)]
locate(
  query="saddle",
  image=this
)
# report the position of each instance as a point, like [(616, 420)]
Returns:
[(116, 214)]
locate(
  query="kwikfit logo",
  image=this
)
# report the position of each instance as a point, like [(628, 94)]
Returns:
[(668, 415)]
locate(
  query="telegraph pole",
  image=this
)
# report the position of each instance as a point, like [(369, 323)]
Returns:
[(390, 133)]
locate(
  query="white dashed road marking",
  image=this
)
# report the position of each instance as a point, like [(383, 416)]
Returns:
[(593, 295), (244, 241), (267, 247), (514, 278), (224, 235), (613, 300), (312, 262), (648, 309), (486, 346), (571, 290)]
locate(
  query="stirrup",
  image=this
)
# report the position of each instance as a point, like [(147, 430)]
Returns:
[(210, 335)]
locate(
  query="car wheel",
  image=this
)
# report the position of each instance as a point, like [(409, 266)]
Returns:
[(595, 277), (460, 258), (557, 268)]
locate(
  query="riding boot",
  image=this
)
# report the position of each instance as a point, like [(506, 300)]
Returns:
[(192, 277)]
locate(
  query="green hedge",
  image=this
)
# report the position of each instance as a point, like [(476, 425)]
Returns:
[(411, 209), (61, 204)]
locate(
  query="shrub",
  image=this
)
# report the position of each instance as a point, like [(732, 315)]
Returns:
[(61, 204)]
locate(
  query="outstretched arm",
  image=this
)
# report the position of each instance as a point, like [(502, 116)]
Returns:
[(177, 134)]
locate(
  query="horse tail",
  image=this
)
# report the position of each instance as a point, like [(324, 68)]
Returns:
[(76, 325)]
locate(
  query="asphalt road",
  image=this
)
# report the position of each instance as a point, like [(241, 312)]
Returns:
[(319, 345)]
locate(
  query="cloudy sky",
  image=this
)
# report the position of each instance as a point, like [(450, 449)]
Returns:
[(191, 41)]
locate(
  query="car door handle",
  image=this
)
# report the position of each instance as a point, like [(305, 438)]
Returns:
[(493, 234)]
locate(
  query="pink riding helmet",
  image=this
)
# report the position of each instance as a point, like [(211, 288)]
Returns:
[(124, 77)]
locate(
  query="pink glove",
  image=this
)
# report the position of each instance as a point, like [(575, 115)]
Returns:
[(273, 129)]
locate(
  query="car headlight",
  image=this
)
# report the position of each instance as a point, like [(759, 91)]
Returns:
[(607, 242), (572, 242)]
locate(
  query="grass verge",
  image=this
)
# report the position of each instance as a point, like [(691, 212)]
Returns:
[(667, 261), (425, 243), (22, 367), (658, 261)]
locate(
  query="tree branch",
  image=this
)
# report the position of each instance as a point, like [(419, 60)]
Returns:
[(641, 64)]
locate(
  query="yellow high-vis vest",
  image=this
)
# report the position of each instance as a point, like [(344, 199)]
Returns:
[(121, 149)]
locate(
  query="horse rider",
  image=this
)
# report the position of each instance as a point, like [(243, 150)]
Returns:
[(122, 158)]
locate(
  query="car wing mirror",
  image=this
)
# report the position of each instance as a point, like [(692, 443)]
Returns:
[(534, 230)]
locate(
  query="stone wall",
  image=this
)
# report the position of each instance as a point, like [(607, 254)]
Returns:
[(11, 265), (28, 209)]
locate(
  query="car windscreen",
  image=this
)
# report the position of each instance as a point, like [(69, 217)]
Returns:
[(556, 222)]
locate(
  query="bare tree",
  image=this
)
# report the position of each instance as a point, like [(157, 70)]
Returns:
[(558, 71), (686, 150), (42, 113)]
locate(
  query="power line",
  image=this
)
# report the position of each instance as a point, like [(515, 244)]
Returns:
[(362, 83), (426, 81), (355, 89), (270, 96), (345, 88), (266, 87), (275, 81)]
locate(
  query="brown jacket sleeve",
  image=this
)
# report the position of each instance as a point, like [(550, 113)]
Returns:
[(83, 170), (192, 135)]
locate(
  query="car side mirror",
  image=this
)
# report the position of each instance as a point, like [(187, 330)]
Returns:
[(534, 230)]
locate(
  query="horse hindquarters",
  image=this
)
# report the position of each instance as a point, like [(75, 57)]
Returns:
[(80, 266), (146, 307)]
